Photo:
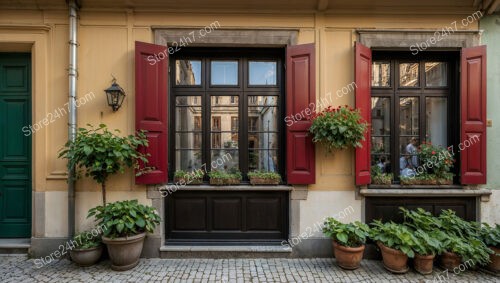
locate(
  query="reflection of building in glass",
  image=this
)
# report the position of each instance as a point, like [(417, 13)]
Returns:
[(184, 74), (435, 74), (408, 73), (188, 133), (381, 74), (408, 116), (262, 118)]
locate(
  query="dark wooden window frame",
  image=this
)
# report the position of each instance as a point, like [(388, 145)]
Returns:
[(243, 90), (394, 93)]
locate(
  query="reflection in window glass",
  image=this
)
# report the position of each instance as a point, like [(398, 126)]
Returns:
[(409, 135), (381, 131), (408, 74), (224, 73), (436, 120), (187, 114), (187, 72), (381, 74), (262, 73), (188, 160), (263, 133), (436, 74), (408, 116)]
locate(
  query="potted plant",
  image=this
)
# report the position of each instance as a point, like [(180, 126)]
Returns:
[(348, 241), (127, 223), (87, 248), (379, 178), (436, 161), (264, 178), (101, 153), (396, 243), (190, 178), (224, 178), (463, 242), (491, 237), (445, 179), (338, 128)]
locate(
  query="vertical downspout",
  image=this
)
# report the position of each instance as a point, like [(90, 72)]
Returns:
[(72, 73)]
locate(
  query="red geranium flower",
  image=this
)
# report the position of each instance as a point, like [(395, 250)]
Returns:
[(433, 152)]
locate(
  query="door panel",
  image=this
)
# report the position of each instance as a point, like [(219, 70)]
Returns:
[(226, 216), (15, 145)]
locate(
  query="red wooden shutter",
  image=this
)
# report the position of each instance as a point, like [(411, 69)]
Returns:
[(300, 95), (473, 114), (363, 68), (151, 75)]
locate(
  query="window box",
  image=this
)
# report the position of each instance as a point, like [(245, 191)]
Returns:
[(224, 181), (191, 181)]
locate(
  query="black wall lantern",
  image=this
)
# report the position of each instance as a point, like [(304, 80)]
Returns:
[(115, 95)]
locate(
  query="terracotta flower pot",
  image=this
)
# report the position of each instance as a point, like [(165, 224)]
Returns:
[(86, 257), (423, 263), (394, 260), (124, 252), (347, 257), (494, 265), (449, 260)]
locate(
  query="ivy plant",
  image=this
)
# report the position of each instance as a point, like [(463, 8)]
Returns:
[(125, 218), (99, 153), (349, 235)]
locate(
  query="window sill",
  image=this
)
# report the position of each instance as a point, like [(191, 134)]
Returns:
[(241, 187), (428, 191)]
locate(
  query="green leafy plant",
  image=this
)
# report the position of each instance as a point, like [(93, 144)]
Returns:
[(349, 235), (100, 153), (379, 178), (193, 177), (437, 158), (264, 175), (338, 128), (427, 243), (224, 175), (86, 240), (490, 235), (125, 218), (395, 236)]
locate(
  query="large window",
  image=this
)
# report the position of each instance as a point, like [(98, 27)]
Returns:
[(414, 99), (227, 103)]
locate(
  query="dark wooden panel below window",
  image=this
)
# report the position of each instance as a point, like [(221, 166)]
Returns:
[(387, 208)]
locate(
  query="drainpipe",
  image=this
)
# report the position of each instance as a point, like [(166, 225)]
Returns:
[(72, 73)]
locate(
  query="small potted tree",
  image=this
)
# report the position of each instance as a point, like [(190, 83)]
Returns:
[(338, 128), (491, 237), (348, 241), (264, 178), (190, 178), (100, 153), (87, 249), (396, 243), (127, 223), (221, 178)]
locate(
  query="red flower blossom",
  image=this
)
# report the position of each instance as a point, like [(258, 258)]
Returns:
[(433, 152)]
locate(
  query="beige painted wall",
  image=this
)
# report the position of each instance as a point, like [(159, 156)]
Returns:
[(106, 47)]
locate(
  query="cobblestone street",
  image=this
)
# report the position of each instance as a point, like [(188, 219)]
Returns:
[(21, 269)]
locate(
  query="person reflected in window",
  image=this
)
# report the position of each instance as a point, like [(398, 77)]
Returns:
[(411, 151)]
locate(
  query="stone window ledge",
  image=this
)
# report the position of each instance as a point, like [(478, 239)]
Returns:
[(427, 191)]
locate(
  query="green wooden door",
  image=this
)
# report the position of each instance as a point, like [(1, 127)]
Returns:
[(15, 145)]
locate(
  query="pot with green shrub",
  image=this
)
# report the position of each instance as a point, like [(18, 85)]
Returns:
[(348, 241), (396, 243), (379, 178), (221, 178), (188, 178), (491, 237), (87, 248), (264, 178), (127, 223)]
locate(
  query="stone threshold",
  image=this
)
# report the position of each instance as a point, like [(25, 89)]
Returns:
[(427, 192), (15, 243), (227, 248)]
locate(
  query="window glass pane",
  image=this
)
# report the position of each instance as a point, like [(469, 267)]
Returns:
[(262, 113), (408, 116), (188, 140), (188, 160), (381, 74), (381, 130), (436, 74), (188, 118), (263, 140), (224, 159), (224, 140), (437, 120), (262, 73), (188, 72), (263, 160), (263, 101), (224, 73), (408, 74)]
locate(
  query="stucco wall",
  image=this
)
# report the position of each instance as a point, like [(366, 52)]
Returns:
[(106, 48)]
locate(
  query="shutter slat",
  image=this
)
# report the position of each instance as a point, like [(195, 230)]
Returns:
[(473, 115), (363, 67), (301, 94), (151, 109)]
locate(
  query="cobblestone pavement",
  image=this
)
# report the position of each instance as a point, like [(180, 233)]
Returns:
[(21, 269)]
